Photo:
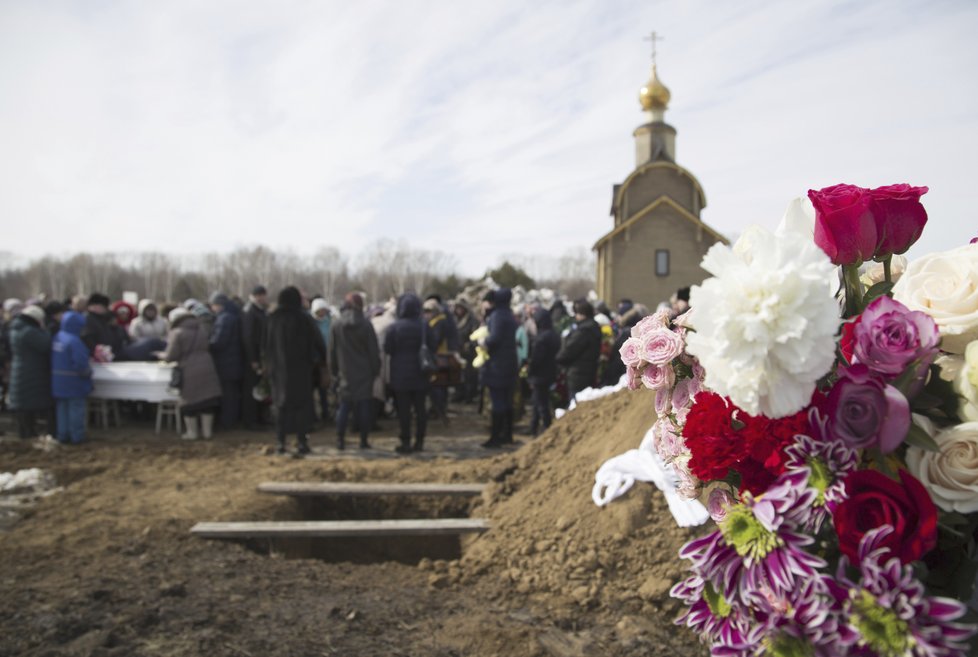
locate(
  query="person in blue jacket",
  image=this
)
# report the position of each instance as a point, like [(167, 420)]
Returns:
[(71, 378), (228, 352), (499, 372)]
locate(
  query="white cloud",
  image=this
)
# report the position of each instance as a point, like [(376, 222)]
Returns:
[(479, 128)]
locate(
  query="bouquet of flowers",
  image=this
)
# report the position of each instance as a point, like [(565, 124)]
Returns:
[(830, 419)]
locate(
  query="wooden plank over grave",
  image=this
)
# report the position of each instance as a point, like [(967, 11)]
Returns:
[(360, 489), (340, 528)]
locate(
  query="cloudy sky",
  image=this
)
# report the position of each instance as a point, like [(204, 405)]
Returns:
[(479, 128)]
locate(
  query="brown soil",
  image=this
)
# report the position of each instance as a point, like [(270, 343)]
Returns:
[(108, 567)]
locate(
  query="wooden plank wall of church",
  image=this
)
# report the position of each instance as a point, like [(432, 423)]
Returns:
[(661, 182), (633, 253)]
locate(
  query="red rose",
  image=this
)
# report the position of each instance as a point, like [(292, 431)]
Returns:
[(847, 341), (899, 217), (844, 225), (874, 500)]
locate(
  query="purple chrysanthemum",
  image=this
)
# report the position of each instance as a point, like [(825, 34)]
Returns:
[(804, 623), (759, 546), (827, 460), (711, 616), (888, 614)]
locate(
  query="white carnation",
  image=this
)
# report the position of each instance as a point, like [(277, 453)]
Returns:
[(766, 322)]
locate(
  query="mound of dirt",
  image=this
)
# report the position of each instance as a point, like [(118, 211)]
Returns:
[(552, 547)]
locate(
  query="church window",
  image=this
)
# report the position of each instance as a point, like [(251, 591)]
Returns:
[(662, 262)]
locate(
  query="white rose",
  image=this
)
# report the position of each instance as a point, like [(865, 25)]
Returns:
[(951, 475), (945, 286), (966, 384), (872, 273)]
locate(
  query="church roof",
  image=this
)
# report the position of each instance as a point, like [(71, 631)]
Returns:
[(619, 190), (662, 200)]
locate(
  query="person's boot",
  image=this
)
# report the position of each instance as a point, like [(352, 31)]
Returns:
[(191, 432), (506, 431), (363, 443), (340, 441), (404, 447), (418, 444), (207, 425), (493, 442), (303, 447), (280, 449)]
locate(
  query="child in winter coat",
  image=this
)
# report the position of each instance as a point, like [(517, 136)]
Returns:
[(71, 378)]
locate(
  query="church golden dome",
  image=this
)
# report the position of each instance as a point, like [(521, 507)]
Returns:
[(654, 95)]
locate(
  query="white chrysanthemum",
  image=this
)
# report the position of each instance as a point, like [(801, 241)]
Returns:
[(766, 322)]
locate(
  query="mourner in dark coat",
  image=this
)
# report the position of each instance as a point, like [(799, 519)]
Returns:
[(354, 359), (499, 372), (30, 371), (253, 320), (581, 350), (101, 327), (225, 341), (292, 349), (542, 369), (403, 343), (200, 390), (467, 323)]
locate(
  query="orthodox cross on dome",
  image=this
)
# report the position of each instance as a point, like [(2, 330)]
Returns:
[(653, 38)]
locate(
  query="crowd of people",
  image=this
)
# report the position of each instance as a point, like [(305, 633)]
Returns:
[(253, 364)]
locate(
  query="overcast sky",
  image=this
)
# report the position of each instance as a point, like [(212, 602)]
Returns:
[(479, 128)]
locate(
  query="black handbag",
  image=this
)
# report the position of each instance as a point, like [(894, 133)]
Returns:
[(176, 378), (425, 357)]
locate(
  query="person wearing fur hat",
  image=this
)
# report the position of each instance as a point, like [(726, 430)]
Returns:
[(200, 393), (71, 378), (321, 314), (226, 348), (101, 327), (354, 361), (30, 367), (148, 324), (499, 372), (253, 320)]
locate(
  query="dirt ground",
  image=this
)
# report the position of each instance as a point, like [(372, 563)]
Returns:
[(107, 566)]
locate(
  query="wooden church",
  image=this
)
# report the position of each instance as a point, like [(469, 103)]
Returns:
[(658, 239)]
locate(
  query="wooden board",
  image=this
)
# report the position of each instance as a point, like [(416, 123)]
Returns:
[(339, 528), (299, 489)]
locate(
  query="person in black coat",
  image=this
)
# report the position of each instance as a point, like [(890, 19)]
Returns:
[(253, 320), (225, 346), (402, 343), (467, 323), (292, 348), (499, 372), (354, 361), (581, 350), (542, 370), (102, 328), (30, 371)]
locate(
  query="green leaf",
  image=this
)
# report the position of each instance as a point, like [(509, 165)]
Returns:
[(876, 291), (920, 438)]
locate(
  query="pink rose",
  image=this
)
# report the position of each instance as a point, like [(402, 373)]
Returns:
[(658, 377), (657, 320), (844, 225), (899, 217), (682, 398), (889, 337), (667, 442), (864, 411), (631, 352), (662, 400), (720, 500), (634, 378), (660, 346)]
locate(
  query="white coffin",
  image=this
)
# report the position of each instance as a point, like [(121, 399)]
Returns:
[(148, 382)]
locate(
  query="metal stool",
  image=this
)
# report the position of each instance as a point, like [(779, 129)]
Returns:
[(104, 410), (168, 410)]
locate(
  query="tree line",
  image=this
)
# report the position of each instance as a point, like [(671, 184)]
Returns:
[(383, 269)]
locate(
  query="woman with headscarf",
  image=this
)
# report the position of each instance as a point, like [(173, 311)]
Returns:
[(402, 343), (200, 392), (354, 360), (292, 350)]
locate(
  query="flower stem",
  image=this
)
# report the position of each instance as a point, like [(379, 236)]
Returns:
[(886, 269), (854, 290)]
